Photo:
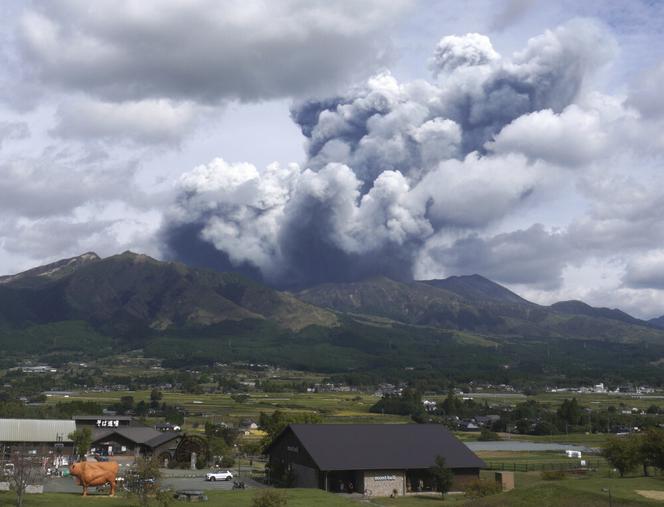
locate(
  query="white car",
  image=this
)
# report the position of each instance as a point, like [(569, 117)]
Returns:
[(219, 476)]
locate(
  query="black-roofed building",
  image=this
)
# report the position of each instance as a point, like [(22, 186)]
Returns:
[(377, 458), (135, 440)]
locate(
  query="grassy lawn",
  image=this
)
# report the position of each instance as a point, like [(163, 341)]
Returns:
[(531, 491), (63, 499), (537, 460), (296, 498), (576, 492)]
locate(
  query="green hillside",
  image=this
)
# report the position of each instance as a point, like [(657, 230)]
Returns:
[(462, 327)]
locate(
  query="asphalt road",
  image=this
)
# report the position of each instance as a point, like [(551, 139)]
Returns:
[(68, 484)]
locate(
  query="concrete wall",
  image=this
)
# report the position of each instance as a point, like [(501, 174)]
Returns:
[(506, 480), (384, 482)]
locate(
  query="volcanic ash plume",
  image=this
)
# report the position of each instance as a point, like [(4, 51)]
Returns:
[(390, 167)]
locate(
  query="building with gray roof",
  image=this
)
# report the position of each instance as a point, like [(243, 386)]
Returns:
[(36, 436), (135, 440), (379, 458)]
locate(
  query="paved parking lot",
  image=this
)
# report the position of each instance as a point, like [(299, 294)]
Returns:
[(174, 479)]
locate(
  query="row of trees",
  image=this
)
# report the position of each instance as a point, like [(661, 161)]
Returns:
[(529, 417), (626, 453)]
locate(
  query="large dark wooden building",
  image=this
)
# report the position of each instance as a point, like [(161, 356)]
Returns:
[(375, 458)]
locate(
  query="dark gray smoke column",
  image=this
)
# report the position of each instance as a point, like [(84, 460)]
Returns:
[(389, 167)]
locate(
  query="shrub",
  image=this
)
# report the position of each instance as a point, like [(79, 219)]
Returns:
[(482, 487), (487, 435), (269, 498), (552, 475)]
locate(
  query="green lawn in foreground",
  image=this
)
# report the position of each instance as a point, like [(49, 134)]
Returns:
[(296, 498), (63, 500), (531, 491)]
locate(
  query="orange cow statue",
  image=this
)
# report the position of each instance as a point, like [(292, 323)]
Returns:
[(93, 473)]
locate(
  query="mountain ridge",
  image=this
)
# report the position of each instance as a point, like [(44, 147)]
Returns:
[(465, 327), (132, 293), (127, 292)]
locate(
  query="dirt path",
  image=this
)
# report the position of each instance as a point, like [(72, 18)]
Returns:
[(652, 494)]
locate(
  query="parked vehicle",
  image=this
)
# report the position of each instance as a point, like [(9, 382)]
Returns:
[(219, 476)]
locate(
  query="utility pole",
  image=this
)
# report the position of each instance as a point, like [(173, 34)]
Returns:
[(608, 490)]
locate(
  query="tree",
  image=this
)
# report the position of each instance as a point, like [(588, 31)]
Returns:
[(240, 398), (442, 476), (143, 480), (24, 473), (82, 439), (651, 449), (172, 415), (409, 402), (621, 453), (570, 412), (273, 424), (126, 404), (227, 433), (451, 405), (155, 398)]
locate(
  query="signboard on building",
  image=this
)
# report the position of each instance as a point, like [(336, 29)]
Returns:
[(108, 423)]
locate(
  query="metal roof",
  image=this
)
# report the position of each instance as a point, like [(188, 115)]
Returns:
[(36, 430), (382, 446)]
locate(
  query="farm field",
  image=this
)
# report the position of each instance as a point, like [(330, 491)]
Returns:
[(587, 439), (590, 400), (347, 407), (333, 407)]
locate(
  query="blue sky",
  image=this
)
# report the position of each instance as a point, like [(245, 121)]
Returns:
[(519, 139)]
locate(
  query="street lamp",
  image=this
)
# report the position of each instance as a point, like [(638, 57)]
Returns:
[(239, 463)]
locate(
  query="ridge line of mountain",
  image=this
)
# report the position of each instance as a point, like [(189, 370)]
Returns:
[(135, 288)]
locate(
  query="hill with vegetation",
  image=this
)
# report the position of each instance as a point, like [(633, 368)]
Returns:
[(130, 294), (464, 327), (476, 304)]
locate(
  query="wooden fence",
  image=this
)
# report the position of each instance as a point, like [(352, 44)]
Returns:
[(534, 466)]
